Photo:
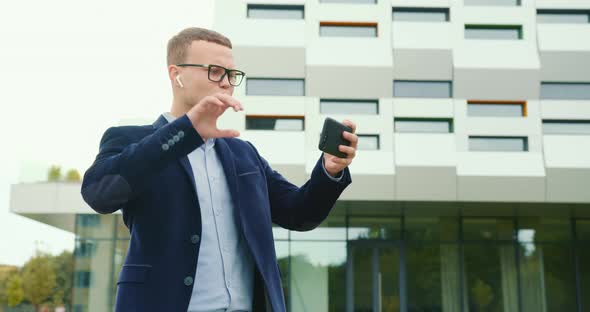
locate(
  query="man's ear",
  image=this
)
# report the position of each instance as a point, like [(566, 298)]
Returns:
[(173, 73)]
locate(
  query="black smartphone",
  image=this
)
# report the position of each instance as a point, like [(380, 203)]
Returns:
[(331, 137)]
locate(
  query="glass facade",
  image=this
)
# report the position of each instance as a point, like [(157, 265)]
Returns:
[(493, 32), (347, 31), (275, 11), (422, 89), (274, 123), (423, 125), (563, 16), (492, 2), (368, 142), (565, 90), (495, 110), (365, 107), (498, 144), (100, 249), (403, 14), (365, 259), (566, 127)]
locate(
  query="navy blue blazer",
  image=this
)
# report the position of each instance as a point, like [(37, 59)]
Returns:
[(144, 171)]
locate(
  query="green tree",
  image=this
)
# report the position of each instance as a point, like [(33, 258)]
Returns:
[(73, 176), (6, 272), (39, 280), (54, 174), (64, 267), (483, 294), (14, 291)]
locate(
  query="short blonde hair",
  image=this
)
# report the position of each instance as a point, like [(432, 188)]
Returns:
[(178, 45)]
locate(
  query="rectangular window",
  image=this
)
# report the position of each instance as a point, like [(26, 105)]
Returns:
[(423, 125), (275, 86), (493, 32), (565, 90), (563, 16), (496, 109), (420, 14), (361, 107), (82, 279), (498, 144), (85, 248), (80, 308), (566, 126), (348, 29), (88, 220), (493, 2), (275, 11), (422, 89), (276, 123), (350, 1), (368, 142)]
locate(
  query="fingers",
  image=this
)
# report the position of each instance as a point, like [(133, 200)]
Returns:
[(341, 161), (230, 101), (215, 100), (350, 151), (353, 138), (351, 124)]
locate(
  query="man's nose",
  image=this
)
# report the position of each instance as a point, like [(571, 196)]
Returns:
[(224, 83)]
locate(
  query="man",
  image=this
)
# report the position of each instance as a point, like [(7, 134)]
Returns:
[(199, 203)]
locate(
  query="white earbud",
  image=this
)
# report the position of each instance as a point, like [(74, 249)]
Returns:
[(179, 82)]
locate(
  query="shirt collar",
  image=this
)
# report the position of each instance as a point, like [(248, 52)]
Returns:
[(210, 142)]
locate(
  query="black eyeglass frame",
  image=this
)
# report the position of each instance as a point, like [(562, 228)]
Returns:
[(226, 73)]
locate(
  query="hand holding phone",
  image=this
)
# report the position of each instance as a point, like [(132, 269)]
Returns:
[(331, 137)]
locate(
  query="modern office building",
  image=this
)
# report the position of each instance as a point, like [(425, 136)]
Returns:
[(471, 187)]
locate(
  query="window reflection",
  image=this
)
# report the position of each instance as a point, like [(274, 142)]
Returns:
[(318, 276), (374, 228)]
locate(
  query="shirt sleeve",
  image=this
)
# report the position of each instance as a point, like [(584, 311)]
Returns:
[(335, 179)]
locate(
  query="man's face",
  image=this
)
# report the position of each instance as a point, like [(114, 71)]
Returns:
[(195, 79)]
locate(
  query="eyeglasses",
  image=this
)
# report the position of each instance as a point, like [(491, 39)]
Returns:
[(216, 73)]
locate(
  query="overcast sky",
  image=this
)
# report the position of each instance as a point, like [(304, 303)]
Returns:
[(69, 70)]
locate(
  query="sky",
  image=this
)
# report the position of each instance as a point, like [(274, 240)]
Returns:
[(69, 69)]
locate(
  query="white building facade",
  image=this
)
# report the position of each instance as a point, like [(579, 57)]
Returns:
[(471, 187)]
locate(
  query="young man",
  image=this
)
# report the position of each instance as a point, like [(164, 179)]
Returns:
[(199, 202)]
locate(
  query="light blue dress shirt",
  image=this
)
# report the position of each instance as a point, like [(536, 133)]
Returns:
[(224, 278)]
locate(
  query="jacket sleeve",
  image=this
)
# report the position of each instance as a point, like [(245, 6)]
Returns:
[(123, 168), (302, 208)]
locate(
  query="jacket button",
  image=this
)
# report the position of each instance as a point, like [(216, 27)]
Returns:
[(195, 239), (188, 281), (176, 138), (171, 142), (165, 146), (180, 133)]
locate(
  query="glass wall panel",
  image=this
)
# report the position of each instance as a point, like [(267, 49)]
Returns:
[(583, 251), (422, 89), (93, 283), (565, 90), (277, 87), (433, 279), (318, 278), (491, 281), (417, 125), (547, 277), (566, 127), (275, 11), (374, 228), (431, 229)]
